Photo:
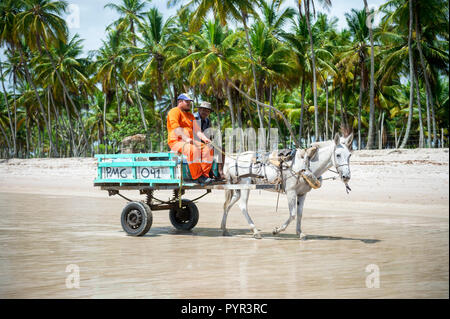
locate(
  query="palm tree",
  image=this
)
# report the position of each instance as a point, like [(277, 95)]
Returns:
[(96, 119), (3, 125), (411, 75), (41, 26), (435, 15), (151, 56), (370, 134), (8, 12), (325, 54), (216, 60), (64, 67), (273, 18), (223, 10), (275, 64), (308, 3), (22, 27), (109, 61), (131, 14), (433, 52), (297, 40), (356, 54)]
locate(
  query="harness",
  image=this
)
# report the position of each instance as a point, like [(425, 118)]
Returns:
[(286, 156)]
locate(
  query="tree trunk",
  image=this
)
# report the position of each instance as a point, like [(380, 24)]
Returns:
[(239, 116), (334, 113), (411, 77), (344, 119), (7, 141), (118, 102), (141, 110), (15, 109), (313, 61), (218, 115), (57, 119), (380, 140), (370, 139), (419, 107), (270, 114), (326, 110), (359, 115), (72, 133), (39, 148), (27, 132), (433, 121), (49, 117), (13, 133), (65, 91), (361, 92), (53, 150), (286, 122), (428, 93), (161, 142), (244, 21), (230, 105), (302, 108), (104, 125), (172, 98)]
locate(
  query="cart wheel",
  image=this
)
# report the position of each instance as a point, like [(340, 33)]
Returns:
[(186, 217), (136, 219)]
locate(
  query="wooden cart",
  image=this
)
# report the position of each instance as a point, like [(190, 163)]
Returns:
[(147, 173)]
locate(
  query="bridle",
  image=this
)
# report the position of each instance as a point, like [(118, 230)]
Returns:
[(334, 161)]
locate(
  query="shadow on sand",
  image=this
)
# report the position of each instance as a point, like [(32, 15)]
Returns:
[(244, 233)]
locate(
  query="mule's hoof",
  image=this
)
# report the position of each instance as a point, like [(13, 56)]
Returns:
[(302, 236), (257, 236), (226, 233)]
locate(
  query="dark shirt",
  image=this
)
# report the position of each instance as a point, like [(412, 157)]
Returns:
[(206, 123)]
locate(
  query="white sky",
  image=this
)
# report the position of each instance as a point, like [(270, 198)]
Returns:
[(93, 17)]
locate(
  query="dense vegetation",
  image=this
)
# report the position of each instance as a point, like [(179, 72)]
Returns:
[(388, 85)]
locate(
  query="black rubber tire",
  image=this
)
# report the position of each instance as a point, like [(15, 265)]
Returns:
[(185, 218), (136, 218)]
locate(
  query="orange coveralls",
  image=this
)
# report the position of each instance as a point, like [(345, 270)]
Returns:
[(199, 156)]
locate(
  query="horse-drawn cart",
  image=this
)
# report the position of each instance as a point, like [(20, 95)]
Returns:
[(147, 173)]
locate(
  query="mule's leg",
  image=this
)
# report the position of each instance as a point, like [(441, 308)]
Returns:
[(231, 197), (243, 205), (292, 201), (300, 202)]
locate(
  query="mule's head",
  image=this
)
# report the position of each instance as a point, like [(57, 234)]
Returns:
[(342, 155)]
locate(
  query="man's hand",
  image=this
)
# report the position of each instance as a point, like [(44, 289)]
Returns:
[(203, 138)]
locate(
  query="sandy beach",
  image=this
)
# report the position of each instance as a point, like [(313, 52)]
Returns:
[(395, 220)]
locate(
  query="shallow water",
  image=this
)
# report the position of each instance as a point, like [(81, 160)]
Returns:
[(41, 235)]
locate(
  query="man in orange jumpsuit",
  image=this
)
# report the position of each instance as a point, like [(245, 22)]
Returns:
[(181, 127)]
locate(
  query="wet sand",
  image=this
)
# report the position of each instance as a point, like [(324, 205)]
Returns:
[(396, 219)]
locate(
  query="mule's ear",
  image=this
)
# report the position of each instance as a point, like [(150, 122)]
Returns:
[(349, 140), (337, 139)]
